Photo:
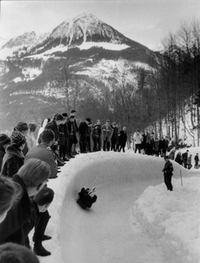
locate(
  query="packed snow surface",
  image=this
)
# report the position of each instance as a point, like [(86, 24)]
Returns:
[(135, 218)]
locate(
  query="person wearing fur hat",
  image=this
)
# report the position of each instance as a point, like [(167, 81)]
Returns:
[(4, 142), (23, 128), (14, 157)]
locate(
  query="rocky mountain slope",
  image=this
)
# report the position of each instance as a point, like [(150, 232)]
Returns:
[(81, 60)]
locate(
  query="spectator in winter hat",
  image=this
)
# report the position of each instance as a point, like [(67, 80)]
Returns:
[(4, 142), (11, 252), (14, 157), (9, 194), (23, 128)]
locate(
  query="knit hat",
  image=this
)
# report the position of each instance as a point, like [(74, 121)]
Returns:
[(4, 139), (21, 126), (18, 138)]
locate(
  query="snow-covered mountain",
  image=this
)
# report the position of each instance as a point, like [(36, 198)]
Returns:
[(81, 29), (2, 42), (24, 40), (74, 32), (83, 55)]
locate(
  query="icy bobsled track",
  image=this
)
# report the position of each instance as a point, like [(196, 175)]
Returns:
[(108, 232)]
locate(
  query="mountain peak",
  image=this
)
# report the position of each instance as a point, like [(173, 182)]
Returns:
[(74, 32), (25, 39), (86, 16)]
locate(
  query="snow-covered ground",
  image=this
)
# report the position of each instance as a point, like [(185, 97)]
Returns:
[(135, 219)]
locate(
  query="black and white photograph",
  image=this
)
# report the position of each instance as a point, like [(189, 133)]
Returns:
[(99, 131)]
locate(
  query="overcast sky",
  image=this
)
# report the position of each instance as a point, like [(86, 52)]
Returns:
[(145, 21)]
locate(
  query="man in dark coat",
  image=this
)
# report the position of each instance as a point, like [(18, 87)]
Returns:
[(122, 139), (71, 129), (96, 136), (14, 157), (168, 172), (83, 130), (64, 141), (114, 137), (185, 158), (54, 125), (75, 140), (196, 159)]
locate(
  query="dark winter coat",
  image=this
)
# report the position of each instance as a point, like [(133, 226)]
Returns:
[(12, 228), (62, 134), (53, 126), (72, 131), (96, 131), (12, 160), (114, 134), (122, 138), (179, 159), (45, 154), (196, 158), (83, 129), (168, 168)]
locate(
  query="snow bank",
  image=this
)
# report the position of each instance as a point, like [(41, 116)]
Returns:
[(173, 218), (170, 219)]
